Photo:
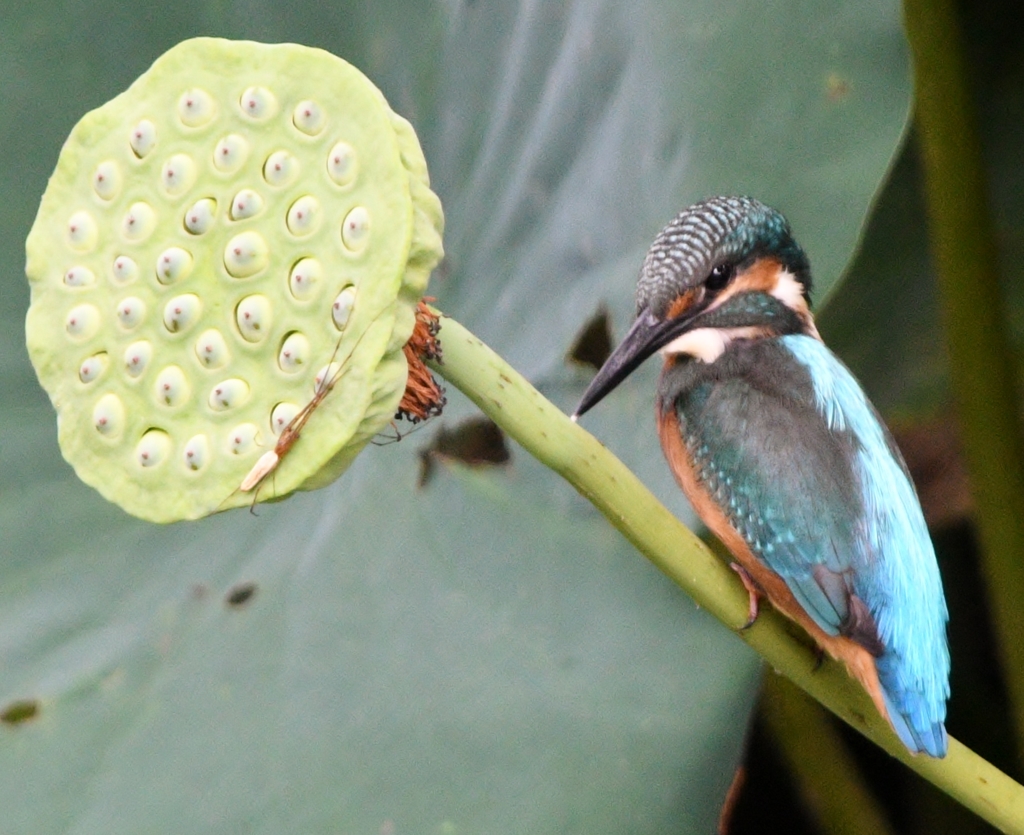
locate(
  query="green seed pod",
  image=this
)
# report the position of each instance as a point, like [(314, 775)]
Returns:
[(224, 269)]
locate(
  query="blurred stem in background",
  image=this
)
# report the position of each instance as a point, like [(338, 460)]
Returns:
[(982, 374)]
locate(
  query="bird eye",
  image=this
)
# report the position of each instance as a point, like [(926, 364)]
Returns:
[(719, 277)]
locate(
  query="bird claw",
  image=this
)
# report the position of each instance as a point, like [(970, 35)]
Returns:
[(752, 590)]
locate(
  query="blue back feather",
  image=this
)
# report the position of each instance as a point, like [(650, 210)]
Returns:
[(896, 572)]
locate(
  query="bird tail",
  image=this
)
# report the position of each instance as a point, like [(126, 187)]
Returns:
[(911, 713)]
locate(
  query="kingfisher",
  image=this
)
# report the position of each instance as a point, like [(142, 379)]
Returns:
[(783, 457)]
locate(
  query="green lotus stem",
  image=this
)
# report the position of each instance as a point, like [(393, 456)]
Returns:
[(982, 368), (546, 433)]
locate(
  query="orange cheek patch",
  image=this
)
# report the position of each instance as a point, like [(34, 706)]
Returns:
[(761, 275), (683, 303)]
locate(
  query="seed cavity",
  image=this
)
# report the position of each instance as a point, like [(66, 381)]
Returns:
[(246, 254), (137, 357), (230, 153), (247, 203), (252, 315), (281, 415), (139, 222), (79, 276), (304, 278), (325, 375), (82, 321), (341, 164), (181, 312), (294, 353), (342, 307), (171, 387), (173, 265), (92, 368), (106, 180), (143, 138), (304, 216), (153, 448), (308, 117), (178, 174), (228, 394), (200, 216), (212, 350), (131, 310), (196, 108), (280, 169), (81, 233), (196, 453), (258, 103), (355, 230), (125, 270), (108, 416), (243, 438)]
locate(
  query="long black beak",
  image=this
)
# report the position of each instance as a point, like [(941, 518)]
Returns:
[(647, 335)]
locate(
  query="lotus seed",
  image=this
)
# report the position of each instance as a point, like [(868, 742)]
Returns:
[(82, 321), (229, 394), (106, 180), (195, 108), (171, 387), (130, 311), (253, 317), (258, 103), (137, 357), (242, 438), (305, 277), (230, 153), (341, 164), (294, 353), (304, 216), (92, 367), (325, 375), (143, 138), (281, 415), (200, 216), (108, 416), (153, 448), (280, 168), (173, 265), (181, 311), (79, 277), (196, 452), (308, 117), (246, 254), (81, 232), (179, 172), (125, 270), (212, 350), (355, 229), (247, 203), (139, 222), (342, 307)]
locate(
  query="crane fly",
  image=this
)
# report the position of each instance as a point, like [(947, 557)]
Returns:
[(271, 459)]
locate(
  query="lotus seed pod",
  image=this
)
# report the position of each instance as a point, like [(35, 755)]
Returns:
[(224, 269)]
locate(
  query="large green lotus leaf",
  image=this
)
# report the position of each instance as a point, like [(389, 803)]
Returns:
[(484, 654)]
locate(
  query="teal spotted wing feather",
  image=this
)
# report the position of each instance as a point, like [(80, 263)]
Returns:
[(785, 440)]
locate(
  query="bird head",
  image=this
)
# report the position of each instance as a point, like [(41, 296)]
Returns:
[(724, 269)]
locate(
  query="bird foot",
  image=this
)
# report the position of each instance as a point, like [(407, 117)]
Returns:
[(753, 590)]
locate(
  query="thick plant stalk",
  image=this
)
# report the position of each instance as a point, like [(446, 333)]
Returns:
[(981, 364), (522, 412), (822, 767)]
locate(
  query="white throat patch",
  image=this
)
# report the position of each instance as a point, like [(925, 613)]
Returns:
[(707, 344)]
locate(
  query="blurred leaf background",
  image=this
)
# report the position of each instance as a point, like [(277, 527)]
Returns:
[(483, 653)]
